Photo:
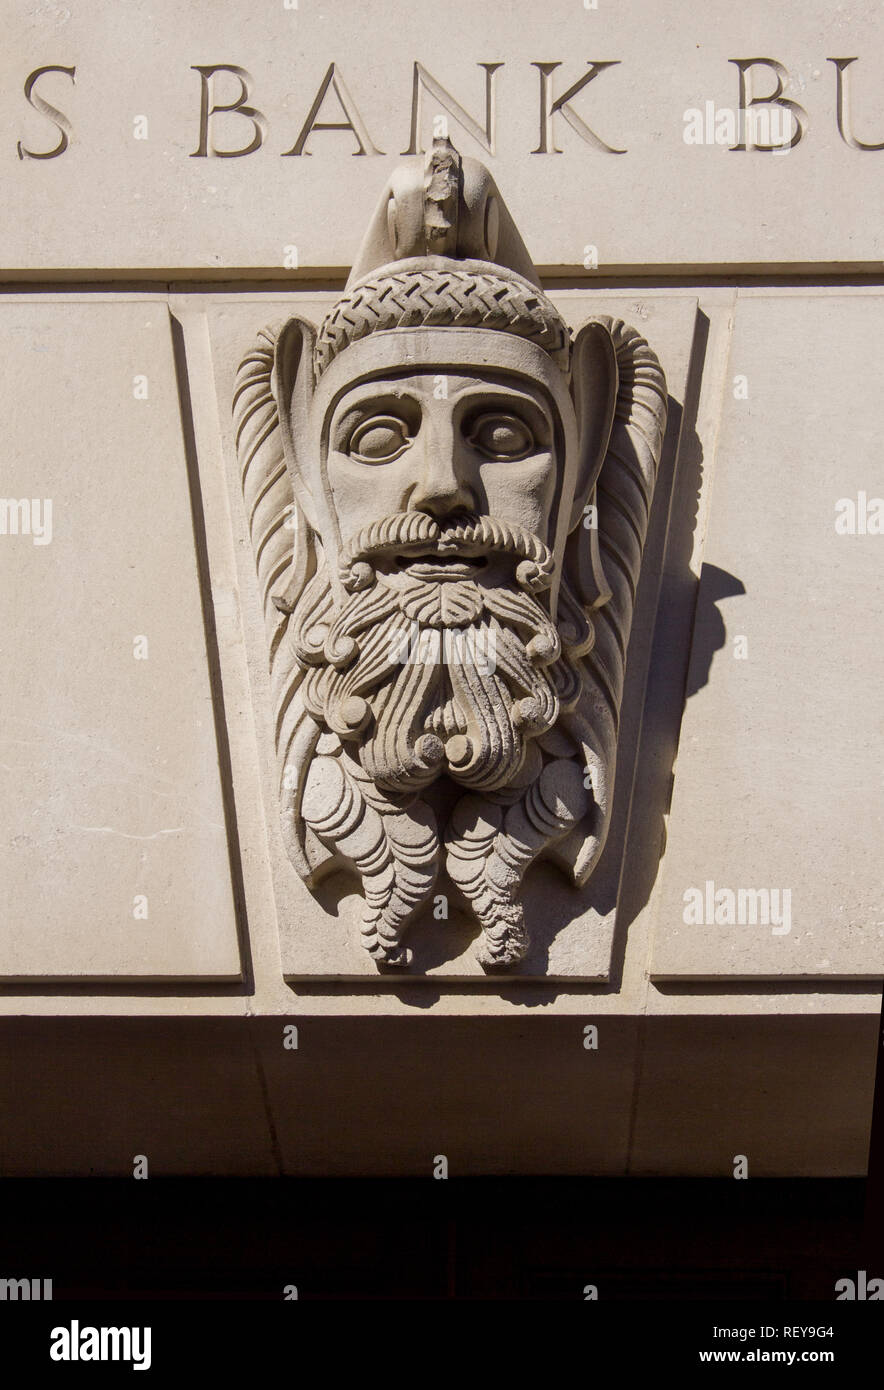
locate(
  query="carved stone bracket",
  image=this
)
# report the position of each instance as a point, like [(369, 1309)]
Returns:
[(448, 496)]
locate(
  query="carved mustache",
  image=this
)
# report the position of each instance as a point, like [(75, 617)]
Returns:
[(418, 533)]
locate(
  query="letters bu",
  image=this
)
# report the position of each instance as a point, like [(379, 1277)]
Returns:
[(416, 475)]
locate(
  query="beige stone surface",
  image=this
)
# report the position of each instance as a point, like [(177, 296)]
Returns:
[(687, 1074), (113, 849), (778, 775), (118, 202)]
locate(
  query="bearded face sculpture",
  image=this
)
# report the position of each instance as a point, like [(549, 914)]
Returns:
[(447, 498)]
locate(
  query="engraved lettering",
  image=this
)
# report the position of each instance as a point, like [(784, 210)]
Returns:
[(51, 112), (776, 98), (209, 108), (354, 121), (423, 80), (845, 123), (551, 107)]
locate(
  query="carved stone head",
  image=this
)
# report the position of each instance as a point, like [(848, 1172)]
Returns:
[(447, 497)]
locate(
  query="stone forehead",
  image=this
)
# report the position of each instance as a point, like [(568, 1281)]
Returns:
[(462, 351)]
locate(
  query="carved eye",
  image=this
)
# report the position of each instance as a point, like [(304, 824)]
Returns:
[(379, 440), (503, 437)]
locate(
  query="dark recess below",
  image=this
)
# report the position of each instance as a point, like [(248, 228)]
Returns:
[(368, 1239)]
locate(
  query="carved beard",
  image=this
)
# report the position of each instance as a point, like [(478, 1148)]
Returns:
[(443, 660)]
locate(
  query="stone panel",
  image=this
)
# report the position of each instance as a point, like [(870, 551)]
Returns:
[(609, 176), (777, 794), (113, 853)]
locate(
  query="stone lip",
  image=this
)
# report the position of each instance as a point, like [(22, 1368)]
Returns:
[(441, 566)]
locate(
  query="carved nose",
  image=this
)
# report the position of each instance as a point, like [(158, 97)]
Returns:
[(440, 489)]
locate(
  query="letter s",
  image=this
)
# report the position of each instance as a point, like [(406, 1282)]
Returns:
[(57, 117)]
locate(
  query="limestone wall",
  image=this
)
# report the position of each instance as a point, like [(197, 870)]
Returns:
[(155, 938)]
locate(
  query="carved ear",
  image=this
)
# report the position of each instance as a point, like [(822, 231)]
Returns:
[(594, 382), (293, 384)]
